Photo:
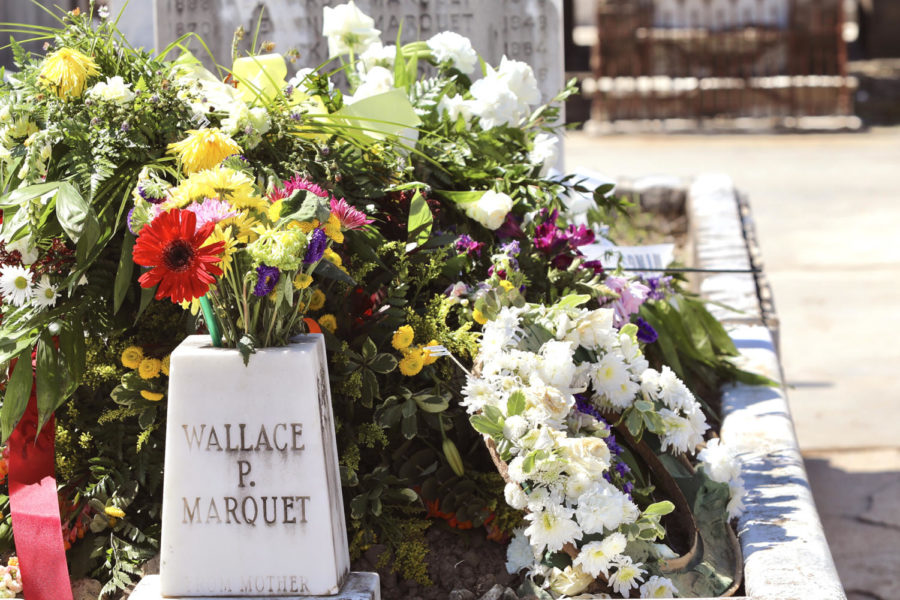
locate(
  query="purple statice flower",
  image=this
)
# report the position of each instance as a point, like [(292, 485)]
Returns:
[(150, 195), (631, 296), (466, 245), (646, 333), (660, 287), (350, 218), (579, 236), (628, 488), (317, 242), (622, 469), (211, 210), (613, 445), (266, 279), (583, 405)]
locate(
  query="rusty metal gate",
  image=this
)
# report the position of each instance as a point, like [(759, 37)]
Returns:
[(697, 59)]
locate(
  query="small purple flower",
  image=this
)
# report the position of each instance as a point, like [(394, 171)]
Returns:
[(622, 469), (613, 445), (595, 265), (266, 279), (579, 236), (466, 245), (660, 287), (646, 333), (512, 248), (316, 248)]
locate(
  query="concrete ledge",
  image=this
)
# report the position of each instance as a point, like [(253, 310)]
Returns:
[(359, 586)]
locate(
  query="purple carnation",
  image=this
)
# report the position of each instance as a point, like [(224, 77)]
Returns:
[(267, 279), (316, 248), (646, 333)]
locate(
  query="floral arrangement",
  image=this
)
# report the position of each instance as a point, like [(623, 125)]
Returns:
[(413, 221)]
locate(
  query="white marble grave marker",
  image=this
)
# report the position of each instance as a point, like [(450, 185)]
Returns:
[(526, 30), (252, 498)]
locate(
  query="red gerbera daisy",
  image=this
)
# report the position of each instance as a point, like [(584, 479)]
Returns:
[(182, 267)]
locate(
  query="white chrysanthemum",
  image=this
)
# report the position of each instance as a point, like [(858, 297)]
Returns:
[(679, 435), (519, 76), (456, 49), (494, 103), (612, 381), (736, 506), (596, 557), (555, 365), (658, 587), (378, 80), (503, 330), (673, 392), (627, 576), (348, 30), (698, 424), (544, 152), (514, 427), (519, 553), (542, 496), (376, 55), (515, 471), (548, 405), (605, 509), (595, 328), (15, 285), (114, 89), (552, 528), (515, 497), (578, 484), (44, 294), (650, 384), (719, 461), (477, 393)]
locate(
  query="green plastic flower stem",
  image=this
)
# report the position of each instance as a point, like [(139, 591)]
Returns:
[(212, 323)]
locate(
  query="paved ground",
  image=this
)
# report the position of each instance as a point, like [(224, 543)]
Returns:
[(827, 210)]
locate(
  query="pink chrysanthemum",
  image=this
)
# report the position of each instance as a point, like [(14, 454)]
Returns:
[(297, 183), (349, 217), (211, 210)]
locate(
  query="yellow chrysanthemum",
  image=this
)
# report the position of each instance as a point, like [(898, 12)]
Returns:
[(204, 149), (317, 301), (149, 368), (114, 511), (506, 284), (302, 281), (164, 367), (234, 187), (412, 363), (132, 357), (478, 317), (192, 189), (304, 226), (429, 358), (244, 225), (152, 396), (403, 337), (332, 229), (66, 71), (225, 235), (332, 257), (328, 322)]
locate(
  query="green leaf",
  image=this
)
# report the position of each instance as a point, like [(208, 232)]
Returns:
[(409, 426), (18, 391), (643, 406), (304, 207), (573, 301), (420, 221), (493, 413), (369, 350), (358, 506), (659, 508), (90, 235), (47, 376), (516, 404), (246, 346), (431, 403), (482, 424), (123, 273), (328, 270), (383, 363), (72, 211), (634, 423)]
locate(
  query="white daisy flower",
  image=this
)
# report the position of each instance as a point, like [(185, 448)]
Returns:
[(15, 285), (627, 576), (658, 587), (597, 557), (552, 528), (44, 294)]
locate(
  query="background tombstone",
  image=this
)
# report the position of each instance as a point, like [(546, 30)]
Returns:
[(526, 30)]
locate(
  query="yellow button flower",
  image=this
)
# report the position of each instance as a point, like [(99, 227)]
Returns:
[(132, 357), (412, 363), (152, 396), (403, 337), (204, 149), (164, 366), (149, 368), (429, 358), (66, 71), (317, 301), (302, 281), (328, 322)]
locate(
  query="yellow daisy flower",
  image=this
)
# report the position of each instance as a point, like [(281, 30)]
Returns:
[(66, 72), (244, 225), (132, 357), (302, 281), (152, 396), (223, 234), (403, 337), (317, 301), (233, 187), (149, 368), (328, 322), (430, 358), (412, 363), (204, 149)]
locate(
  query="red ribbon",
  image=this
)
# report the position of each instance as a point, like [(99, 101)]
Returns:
[(35, 509)]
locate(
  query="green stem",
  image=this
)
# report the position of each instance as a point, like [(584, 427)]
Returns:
[(212, 323)]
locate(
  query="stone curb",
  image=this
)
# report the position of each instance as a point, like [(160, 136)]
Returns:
[(786, 555)]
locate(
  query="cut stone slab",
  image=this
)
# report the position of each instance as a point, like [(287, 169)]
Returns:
[(358, 586)]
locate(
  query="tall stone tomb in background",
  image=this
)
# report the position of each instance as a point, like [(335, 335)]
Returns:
[(526, 30)]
